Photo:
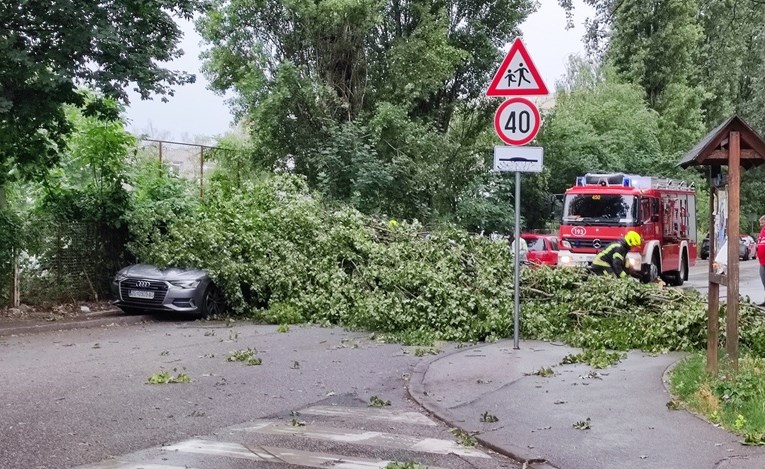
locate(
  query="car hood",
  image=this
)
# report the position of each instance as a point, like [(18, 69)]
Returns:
[(153, 272)]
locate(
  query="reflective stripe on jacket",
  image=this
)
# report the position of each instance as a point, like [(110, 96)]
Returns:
[(613, 257)]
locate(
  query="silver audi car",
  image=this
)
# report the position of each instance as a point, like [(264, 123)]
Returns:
[(144, 287)]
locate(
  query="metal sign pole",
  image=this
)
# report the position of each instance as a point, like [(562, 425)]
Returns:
[(516, 255)]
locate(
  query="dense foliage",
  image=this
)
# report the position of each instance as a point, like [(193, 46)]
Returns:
[(377, 103), (51, 48), (600, 312), (283, 256), (279, 254), (88, 183)]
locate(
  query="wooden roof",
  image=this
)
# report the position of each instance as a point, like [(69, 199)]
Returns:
[(712, 150)]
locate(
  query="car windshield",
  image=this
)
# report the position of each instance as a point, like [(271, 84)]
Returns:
[(599, 209), (536, 244)]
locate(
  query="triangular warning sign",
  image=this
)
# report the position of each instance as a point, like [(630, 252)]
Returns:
[(517, 75)]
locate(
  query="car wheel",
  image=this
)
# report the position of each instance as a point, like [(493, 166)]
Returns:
[(746, 256), (213, 302), (703, 257)]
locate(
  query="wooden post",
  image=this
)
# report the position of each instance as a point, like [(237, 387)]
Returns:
[(201, 171), (713, 294), (734, 180), (15, 282)]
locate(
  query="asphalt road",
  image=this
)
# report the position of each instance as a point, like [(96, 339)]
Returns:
[(749, 280), (81, 397)]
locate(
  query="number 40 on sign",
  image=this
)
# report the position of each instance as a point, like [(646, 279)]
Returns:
[(517, 121)]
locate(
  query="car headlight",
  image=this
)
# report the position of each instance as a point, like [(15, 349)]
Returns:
[(185, 283), (566, 244), (565, 260), (119, 277)]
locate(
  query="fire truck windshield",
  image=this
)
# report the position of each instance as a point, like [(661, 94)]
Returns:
[(599, 209)]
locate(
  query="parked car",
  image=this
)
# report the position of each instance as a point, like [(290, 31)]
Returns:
[(543, 249), (747, 248), (750, 247), (704, 249), (144, 287)]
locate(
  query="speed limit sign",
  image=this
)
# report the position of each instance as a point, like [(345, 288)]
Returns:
[(517, 121)]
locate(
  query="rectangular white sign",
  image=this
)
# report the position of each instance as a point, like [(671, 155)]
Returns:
[(518, 159)]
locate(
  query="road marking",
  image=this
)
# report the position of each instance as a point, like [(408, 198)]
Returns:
[(117, 464), (277, 455), (379, 439), (370, 413), (220, 448)]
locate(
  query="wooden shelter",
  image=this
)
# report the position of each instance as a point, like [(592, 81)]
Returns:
[(736, 145)]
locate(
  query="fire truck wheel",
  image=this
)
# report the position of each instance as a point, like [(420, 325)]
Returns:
[(678, 277), (653, 269)]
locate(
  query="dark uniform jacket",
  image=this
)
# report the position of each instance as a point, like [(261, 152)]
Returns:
[(612, 259)]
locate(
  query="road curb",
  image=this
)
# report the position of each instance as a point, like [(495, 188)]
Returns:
[(96, 319), (668, 388), (416, 390)]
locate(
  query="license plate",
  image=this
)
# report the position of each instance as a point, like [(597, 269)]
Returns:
[(146, 295)]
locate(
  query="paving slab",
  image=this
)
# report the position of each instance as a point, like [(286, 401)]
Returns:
[(629, 423)]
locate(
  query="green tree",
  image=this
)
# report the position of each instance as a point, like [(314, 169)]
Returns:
[(605, 126), (89, 182), (686, 43), (51, 48), (696, 69), (376, 103)]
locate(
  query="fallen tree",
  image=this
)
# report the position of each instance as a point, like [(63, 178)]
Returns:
[(283, 256)]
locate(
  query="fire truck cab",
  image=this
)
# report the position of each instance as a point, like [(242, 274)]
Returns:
[(601, 208)]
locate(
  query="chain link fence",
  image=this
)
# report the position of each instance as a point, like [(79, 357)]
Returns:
[(76, 261)]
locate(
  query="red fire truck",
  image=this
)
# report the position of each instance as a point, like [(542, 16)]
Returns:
[(601, 208)]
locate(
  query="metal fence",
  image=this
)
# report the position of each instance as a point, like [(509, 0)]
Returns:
[(75, 261), (71, 261), (187, 160)]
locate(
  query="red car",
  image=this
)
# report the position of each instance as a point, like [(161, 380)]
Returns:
[(543, 249)]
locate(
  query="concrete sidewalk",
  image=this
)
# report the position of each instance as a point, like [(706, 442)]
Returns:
[(631, 426), (10, 327)]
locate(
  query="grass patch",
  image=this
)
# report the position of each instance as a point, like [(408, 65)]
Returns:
[(734, 400)]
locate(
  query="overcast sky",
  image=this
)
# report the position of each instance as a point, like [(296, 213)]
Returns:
[(195, 111)]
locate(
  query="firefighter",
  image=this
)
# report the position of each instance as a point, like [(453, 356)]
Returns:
[(612, 259)]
